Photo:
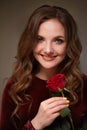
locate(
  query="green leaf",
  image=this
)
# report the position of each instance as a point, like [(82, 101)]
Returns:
[(64, 112)]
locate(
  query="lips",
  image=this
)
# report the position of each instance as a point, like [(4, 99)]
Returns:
[(48, 58)]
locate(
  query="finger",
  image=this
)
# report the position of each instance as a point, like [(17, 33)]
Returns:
[(58, 103), (58, 108), (54, 115), (53, 99), (55, 103)]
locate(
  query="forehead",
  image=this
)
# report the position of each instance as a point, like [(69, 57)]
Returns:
[(51, 27)]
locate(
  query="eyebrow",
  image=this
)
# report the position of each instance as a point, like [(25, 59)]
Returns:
[(59, 36)]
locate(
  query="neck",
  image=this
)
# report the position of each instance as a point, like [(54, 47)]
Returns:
[(45, 74)]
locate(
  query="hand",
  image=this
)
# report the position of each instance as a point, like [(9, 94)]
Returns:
[(48, 111)]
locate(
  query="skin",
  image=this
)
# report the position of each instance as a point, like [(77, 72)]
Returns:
[(50, 47), (49, 51)]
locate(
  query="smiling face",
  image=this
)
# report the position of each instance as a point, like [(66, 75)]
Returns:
[(50, 46)]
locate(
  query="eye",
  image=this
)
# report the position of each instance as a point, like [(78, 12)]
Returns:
[(59, 40), (39, 39)]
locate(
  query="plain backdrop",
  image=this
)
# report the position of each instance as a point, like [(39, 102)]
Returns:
[(14, 15)]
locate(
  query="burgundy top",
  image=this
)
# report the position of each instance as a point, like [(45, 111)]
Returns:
[(38, 92)]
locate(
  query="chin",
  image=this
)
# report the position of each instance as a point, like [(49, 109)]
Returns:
[(47, 67)]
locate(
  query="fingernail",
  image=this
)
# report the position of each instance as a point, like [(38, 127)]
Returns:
[(67, 105), (65, 98), (67, 101)]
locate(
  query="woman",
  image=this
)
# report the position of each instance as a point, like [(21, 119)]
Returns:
[(49, 45)]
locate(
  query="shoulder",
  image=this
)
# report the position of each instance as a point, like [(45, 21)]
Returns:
[(84, 77), (8, 85), (85, 86), (84, 81), (6, 101)]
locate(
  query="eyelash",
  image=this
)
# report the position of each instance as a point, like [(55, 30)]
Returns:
[(39, 39), (59, 41)]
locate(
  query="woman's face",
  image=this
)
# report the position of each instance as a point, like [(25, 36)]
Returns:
[(50, 46)]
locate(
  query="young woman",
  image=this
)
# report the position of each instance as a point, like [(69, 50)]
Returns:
[(49, 45)]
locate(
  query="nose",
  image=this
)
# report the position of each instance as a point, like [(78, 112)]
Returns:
[(48, 48)]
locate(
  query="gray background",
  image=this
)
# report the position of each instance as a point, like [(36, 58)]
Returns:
[(14, 15)]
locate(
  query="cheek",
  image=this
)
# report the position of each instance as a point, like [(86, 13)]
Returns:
[(61, 50), (36, 48)]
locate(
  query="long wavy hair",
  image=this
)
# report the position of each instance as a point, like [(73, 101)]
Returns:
[(26, 65)]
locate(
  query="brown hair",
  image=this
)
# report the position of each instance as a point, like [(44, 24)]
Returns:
[(25, 65)]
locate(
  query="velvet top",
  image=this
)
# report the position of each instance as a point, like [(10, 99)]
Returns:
[(39, 92)]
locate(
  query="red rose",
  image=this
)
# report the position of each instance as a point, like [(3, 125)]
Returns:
[(56, 82)]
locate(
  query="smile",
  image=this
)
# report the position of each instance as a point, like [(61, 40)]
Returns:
[(48, 58)]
